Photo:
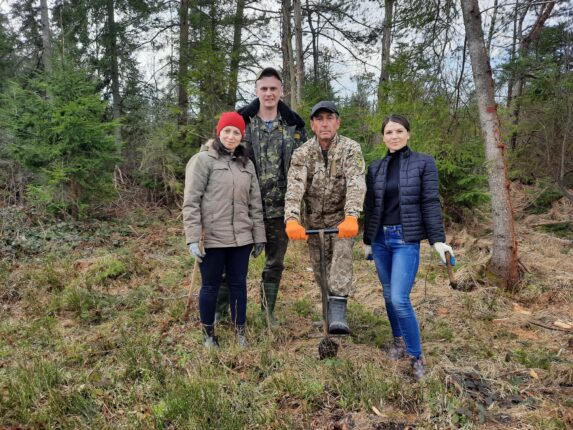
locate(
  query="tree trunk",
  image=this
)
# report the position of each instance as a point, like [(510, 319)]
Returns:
[(46, 38), (386, 43), (114, 72), (517, 31), (182, 98), (286, 44), (314, 34), (519, 78), (299, 53), (503, 262), (235, 55), (491, 27)]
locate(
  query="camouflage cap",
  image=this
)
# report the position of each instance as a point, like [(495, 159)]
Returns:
[(323, 105), (269, 71)]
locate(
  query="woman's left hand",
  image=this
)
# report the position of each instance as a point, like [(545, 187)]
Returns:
[(257, 249), (441, 248)]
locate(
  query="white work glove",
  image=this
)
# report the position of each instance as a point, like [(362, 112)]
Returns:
[(441, 248), (368, 252), (196, 252)]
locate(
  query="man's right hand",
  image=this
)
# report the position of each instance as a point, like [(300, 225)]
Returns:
[(295, 231)]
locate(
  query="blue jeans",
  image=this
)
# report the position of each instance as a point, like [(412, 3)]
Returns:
[(234, 262), (397, 264)]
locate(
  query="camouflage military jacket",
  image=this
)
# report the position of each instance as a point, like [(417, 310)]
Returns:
[(329, 192), (271, 151)]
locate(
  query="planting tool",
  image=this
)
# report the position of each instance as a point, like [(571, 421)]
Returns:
[(192, 284), (327, 348), (450, 262)]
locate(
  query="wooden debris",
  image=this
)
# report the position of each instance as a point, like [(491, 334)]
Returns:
[(520, 309)]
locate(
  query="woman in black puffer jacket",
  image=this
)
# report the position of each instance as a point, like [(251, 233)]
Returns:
[(401, 208)]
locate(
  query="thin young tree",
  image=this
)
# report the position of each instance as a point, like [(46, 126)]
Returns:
[(503, 261), (46, 36), (235, 56), (289, 84), (182, 97), (386, 44), (299, 52)]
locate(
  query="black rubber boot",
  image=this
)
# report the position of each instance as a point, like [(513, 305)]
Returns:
[(337, 315), (210, 341), (269, 293)]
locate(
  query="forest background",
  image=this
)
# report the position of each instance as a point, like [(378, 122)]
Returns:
[(102, 102)]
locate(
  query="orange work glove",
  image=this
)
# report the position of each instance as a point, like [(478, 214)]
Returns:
[(348, 228), (295, 231)]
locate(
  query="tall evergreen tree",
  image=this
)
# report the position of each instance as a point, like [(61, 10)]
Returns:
[(56, 128)]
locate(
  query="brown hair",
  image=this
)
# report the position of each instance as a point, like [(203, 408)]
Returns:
[(400, 119)]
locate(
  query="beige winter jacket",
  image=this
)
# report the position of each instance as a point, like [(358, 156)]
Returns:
[(222, 201)]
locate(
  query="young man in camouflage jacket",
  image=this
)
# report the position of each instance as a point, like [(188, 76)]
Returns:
[(273, 132), (327, 174)]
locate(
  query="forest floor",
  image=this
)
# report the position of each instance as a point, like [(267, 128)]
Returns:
[(92, 336)]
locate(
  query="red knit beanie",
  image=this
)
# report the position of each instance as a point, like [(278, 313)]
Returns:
[(231, 118)]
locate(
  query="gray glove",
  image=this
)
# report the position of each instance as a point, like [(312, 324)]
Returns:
[(196, 252), (368, 252), (257, 249)]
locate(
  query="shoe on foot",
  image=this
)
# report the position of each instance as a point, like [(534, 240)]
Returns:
[(241, 337), (397, 349), (418, 368), (242, 341), (211, 342)]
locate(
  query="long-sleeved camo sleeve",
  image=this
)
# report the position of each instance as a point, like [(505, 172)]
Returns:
[(355, 183), (296, 185)]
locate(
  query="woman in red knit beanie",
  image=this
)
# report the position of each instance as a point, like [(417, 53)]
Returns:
[(223, 221)]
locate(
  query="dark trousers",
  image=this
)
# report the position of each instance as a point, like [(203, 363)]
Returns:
[(275, 250), (235, 263)]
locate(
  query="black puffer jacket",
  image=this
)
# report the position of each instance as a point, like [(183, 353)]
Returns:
[(420, 209)]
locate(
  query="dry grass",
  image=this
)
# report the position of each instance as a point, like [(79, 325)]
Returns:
[(93, 337)]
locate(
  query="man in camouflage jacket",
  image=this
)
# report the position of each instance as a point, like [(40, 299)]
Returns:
[(327, 175), (273, 132)]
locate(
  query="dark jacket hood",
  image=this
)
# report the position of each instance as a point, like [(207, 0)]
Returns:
[(287, 114)]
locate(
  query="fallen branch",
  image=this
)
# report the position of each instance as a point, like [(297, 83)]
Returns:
[(549, 327)]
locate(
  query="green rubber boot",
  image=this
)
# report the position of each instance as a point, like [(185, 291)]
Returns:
[(269, 292)]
